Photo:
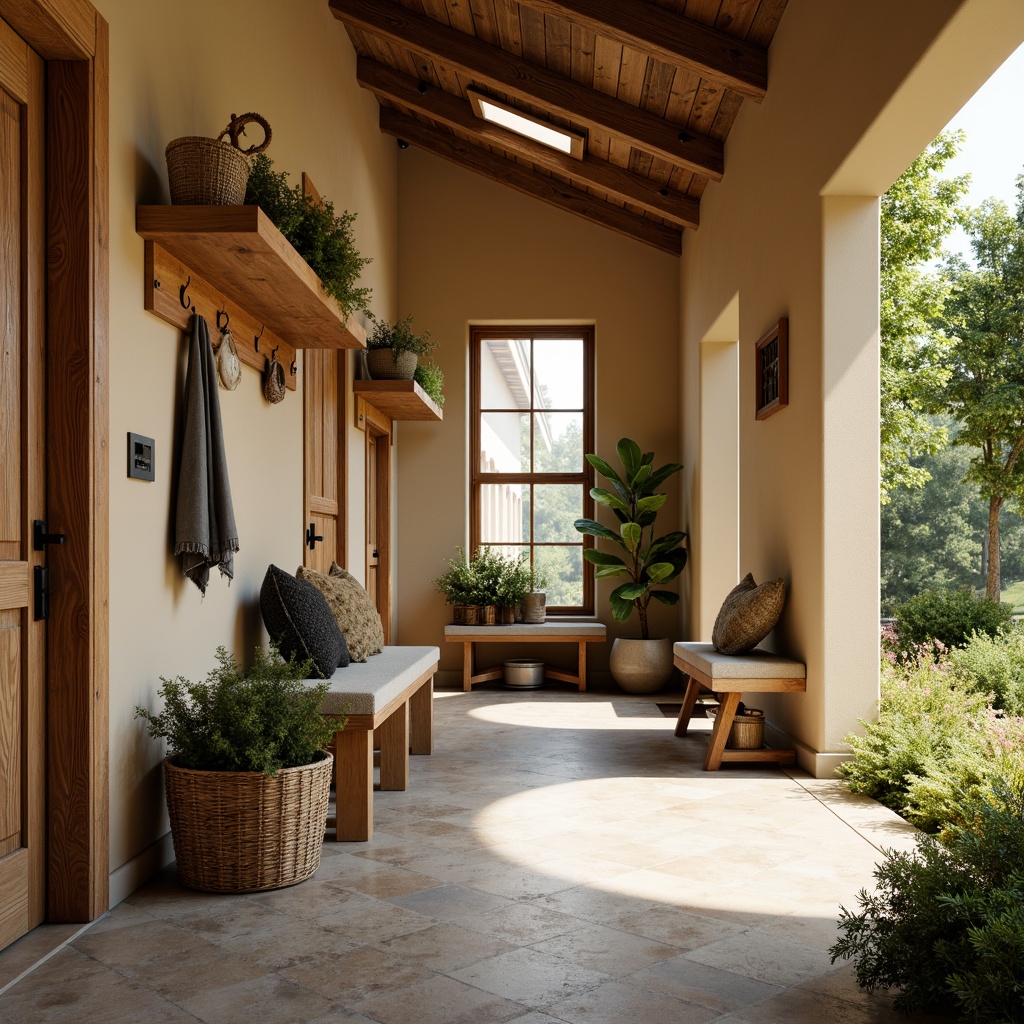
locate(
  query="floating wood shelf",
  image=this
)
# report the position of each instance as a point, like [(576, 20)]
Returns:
[(399, 399), (237, 252)]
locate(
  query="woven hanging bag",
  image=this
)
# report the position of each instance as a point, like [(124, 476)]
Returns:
[(273, 381), (208, 172)]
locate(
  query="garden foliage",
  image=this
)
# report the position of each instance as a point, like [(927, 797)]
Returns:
[(994, 664), (946, 922), (947, 616)]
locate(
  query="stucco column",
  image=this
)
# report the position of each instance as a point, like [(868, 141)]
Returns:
[(850, 451)]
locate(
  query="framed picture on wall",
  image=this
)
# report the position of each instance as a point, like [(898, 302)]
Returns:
[(771, 375)]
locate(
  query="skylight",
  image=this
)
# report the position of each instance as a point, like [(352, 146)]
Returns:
[(489, 109)]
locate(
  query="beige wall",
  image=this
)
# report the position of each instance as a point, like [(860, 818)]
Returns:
[(183, 71), (856, 90), (472, 251)]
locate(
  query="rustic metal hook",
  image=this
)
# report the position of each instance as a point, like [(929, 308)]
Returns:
[(182, 297), (273, 351), (227, 319), (291, 369), (256, 338)]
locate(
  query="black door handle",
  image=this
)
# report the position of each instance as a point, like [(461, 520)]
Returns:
[(41, 538), (42, 592), (312, 536)]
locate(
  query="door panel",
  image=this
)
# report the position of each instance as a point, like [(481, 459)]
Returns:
[(22, 639), (322, 417)]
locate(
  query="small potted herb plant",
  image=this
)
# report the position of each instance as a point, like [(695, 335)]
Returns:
[(248, 778), (459, 586), (393, 350), (430, 377)]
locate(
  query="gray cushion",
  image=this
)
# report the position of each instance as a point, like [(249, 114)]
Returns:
[(365, 689), (748, 614), (300, 623)]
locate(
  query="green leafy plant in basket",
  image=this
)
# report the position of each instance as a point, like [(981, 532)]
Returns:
[(399, 337), (649, 561), (321, 237), (458, 584), (260, 721)]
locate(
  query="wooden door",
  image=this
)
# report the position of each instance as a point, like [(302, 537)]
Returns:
[(22, 637), (378, 521), (323, 392)]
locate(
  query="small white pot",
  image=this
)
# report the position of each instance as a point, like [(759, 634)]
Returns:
[(641, 666)]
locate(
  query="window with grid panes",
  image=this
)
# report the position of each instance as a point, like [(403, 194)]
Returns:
[(532, 400)]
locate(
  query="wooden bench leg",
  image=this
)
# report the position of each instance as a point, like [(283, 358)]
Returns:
[(394, 750), (353, 785), (720, 733), (582, 668), (421, 711), (689, 702), (467, 665)]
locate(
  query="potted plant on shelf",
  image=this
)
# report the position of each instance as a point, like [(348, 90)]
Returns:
[(514, 583), (393, 350), (325, 240), (459, 586), (532, 610), (640, 665), (248, 778), (430, 377)]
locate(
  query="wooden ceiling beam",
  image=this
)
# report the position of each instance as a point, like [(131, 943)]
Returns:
[(453, 112), (508, 172), (669, 37), (495, 68)]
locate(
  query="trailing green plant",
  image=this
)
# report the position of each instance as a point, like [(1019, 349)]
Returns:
[(322, 238), (947, 616), (260, 721), (430, 377), (946, 922), (936, 742), (399, 337), (650, 561), (994, 664)]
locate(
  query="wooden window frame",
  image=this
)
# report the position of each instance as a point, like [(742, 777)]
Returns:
[(585, 477)]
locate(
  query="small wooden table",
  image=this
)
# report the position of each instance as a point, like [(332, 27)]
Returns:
[(581, 633), (732, 675)]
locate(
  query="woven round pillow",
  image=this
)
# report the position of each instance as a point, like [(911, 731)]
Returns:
[(748, 614)]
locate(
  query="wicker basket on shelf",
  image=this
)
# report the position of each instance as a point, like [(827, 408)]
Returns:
[(208, 172), (246, 831)]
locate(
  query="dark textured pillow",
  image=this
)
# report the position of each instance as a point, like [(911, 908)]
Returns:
[(300, 623), (748, 615), (352, 607)]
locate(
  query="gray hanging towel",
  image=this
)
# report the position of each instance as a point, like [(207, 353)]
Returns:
[(205, 532)]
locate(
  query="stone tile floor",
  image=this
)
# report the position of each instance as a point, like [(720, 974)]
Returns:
[(561, 857)]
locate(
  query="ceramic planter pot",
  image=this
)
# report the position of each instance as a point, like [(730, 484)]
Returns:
[(533, 607), (641, 666), (383, 365)]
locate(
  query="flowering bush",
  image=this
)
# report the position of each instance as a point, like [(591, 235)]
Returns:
[(937, 743)]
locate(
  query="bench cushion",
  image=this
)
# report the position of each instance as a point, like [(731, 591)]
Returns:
[(756, 664), (364, 688)]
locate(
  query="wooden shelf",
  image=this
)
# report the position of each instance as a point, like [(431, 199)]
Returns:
[(399, 399), (237, 252)]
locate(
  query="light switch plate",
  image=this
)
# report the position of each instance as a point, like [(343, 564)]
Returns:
[(140, 457)]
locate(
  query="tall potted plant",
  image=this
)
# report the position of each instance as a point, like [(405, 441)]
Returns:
[(639, 665), (247, 779)]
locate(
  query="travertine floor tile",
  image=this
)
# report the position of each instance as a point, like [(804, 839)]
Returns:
[(561, 858)]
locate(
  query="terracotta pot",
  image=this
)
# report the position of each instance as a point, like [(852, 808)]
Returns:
[(383, 365), (641, 666)]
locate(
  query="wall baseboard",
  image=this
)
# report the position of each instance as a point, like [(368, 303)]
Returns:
[(821, 764), (140, 869)]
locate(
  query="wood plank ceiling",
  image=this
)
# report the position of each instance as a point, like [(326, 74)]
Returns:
[(653, 85)]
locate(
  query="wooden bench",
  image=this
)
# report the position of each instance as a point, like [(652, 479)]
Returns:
[(391, 693), (732, 675), (581, 633)]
